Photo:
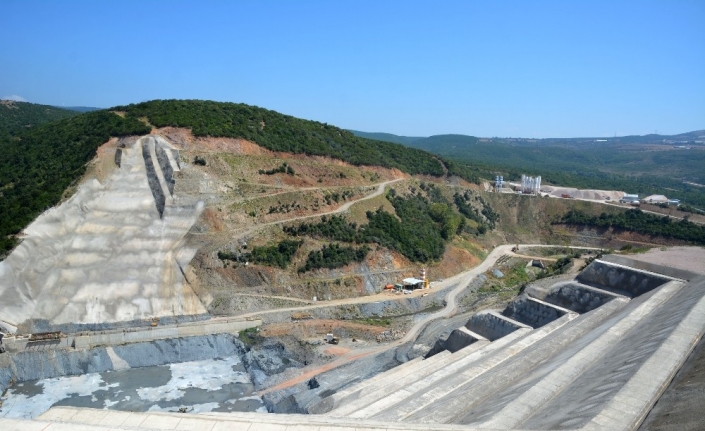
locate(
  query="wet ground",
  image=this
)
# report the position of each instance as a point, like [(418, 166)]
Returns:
[(213, 385)]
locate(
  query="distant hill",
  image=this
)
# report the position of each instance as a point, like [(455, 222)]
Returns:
[(16, 117), (79, 108), (387, 137), (649, 164)]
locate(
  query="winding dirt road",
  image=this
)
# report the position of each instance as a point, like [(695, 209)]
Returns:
[(463, 280), (341, 209)]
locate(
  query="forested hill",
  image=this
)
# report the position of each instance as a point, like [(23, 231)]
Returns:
[(279, 132), (651, 164), (40, 162), (388, 137), (16, 117)]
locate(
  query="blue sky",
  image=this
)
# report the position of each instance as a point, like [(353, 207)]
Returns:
[(492, 68)]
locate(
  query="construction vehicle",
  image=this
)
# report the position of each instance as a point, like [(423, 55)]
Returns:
[(331, 339)]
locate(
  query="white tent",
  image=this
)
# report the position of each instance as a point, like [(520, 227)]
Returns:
[(655, 199)]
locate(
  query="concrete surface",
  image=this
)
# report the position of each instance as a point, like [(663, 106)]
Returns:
[(492, 325), (110, 253), (620, 279), (680, 407), (602, 369), (533, 312), (77, 419), (90, 339)]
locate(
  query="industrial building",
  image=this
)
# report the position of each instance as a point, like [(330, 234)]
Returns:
[(530, 185)]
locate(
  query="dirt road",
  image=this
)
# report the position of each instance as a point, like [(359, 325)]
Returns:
[(341, 209), (463, 280)]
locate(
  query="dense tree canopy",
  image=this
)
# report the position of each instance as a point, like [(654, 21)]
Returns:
[(278, 132), (423, 224), (16, 117), (641, 222)]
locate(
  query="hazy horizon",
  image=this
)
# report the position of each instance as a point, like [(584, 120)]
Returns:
[(546, 69)]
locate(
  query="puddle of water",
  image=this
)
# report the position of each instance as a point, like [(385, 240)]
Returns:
[(219, 385)]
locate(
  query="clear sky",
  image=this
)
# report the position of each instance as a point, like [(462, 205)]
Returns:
[(493, 68)]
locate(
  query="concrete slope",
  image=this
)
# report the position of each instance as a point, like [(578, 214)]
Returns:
[(109, 253), (521, 397), (516, 359), (375, 394)]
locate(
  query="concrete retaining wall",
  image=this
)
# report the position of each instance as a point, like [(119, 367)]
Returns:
[(131, 335), (620, 279), (573, 296), (533, 312), (461, 338), (651, 267), (492, 325), (458, 339)]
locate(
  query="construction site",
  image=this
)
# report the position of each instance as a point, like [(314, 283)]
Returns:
[(106, 325)]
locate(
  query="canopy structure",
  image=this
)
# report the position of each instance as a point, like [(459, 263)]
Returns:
[(412, 282), (656, 198)]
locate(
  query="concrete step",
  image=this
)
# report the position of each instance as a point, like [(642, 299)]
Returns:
[(621, 279), (351, 393), (573, 296), (458, 339), (533, 312), (375, 394), (554, 337), (564, 363), (493, 325), (405, 400), (618, 391), (465, 358), (461, 338)]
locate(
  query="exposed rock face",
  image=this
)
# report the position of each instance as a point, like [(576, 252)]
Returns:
[(43, 364), (111, 253)]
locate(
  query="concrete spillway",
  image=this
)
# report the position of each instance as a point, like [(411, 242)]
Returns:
[(111, 253), (593, 353)]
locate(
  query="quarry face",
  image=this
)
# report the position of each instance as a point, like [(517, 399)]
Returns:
[(113, 252)]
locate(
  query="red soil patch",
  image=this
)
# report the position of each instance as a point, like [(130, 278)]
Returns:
[(185, 139), (336, 351), (319, 327), (212, 219)]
